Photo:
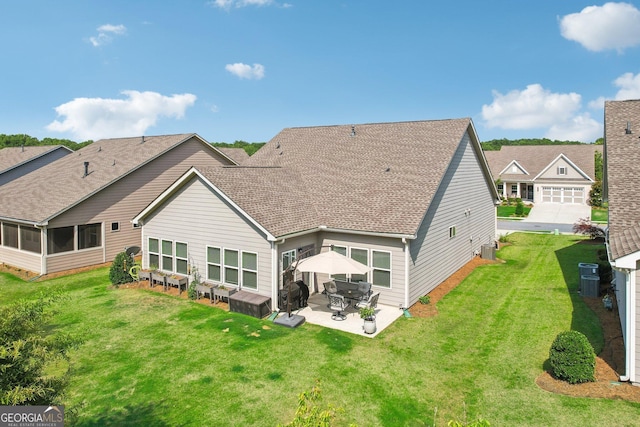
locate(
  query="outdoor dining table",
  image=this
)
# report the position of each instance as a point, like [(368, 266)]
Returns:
[(351, 294)]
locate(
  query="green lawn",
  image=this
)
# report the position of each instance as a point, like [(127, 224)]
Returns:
[(510, 211), (599, 215), (151, 359)]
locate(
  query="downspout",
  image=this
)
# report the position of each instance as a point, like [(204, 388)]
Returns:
[(275, 274), (629, 367), (406, 273)]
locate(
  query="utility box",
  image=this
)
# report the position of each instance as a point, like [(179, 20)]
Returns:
[(588, 269), (590, 286), (488, 252)]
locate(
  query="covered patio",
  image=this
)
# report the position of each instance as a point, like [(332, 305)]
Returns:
[(317, 312)]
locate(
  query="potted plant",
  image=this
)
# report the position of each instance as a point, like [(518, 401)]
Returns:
[(369, 316)]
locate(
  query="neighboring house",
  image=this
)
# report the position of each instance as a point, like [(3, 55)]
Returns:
[(239, 155), (544, 173), (415, 201), (77, 211), (621, 160), (18, 161)]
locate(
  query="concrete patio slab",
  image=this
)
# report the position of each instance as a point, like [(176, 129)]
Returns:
[(317, 312)]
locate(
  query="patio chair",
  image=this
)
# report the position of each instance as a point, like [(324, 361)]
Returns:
[(330, 287), (338, 304), (372, 302), (365, 288)]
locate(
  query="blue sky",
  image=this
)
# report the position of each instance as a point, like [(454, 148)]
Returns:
[(245, 69)]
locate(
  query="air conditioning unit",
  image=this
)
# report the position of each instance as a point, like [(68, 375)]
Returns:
[(488, 252)]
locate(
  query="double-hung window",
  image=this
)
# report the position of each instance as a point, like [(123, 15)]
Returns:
[(362, 256), (213, 264), (154, 253), (231, 267), (182, 263), (381, 264), (249, 270), (342, 250), (167, 255)]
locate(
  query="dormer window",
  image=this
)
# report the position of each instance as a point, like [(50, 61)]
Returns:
[(562, 170)]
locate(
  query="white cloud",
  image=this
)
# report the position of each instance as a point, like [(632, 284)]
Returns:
[(228, 4), (579, 128), (629, 86), (530, 108), (536, 107), (95, 118), (245, 71), (106, 33), (597, 28)]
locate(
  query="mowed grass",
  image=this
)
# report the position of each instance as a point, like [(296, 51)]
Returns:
[(599, 215), (150, 359), (510, 211)]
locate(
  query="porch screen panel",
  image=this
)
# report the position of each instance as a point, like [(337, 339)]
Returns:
[(89, 236), (60, 240), (30, 239), (381, 263), (10, 232)]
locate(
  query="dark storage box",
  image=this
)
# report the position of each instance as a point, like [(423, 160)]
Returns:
[(250, 304)]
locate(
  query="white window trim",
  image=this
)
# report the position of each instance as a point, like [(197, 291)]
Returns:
[(176, 258), (243, 269), (117, 223), (163, 255), (224, 267), (390, 269), (452, 232), (149, 252), (219, 265), (351, 248)]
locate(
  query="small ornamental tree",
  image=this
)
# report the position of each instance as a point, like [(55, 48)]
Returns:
[(572, 358), (519, 208), (119, 272), (584, 226)]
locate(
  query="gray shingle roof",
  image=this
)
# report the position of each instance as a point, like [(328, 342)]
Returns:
[(622, 153), (535, 158), (48, 191), (379, 180), (237, 154), (11, 157)]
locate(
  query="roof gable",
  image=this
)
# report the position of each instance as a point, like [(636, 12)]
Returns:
[(60, 185), (12, 157), (514, 168), (536, 159), (560, 162)]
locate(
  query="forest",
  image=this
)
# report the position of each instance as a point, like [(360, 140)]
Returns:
[(251, 147)]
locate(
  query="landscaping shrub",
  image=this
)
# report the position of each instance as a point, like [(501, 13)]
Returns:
[(572, 358), (584, 226), (605, 272), (119, 272), (425, 299), (519, 208)]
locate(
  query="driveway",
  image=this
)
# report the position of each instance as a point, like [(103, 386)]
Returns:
[(558, 213)]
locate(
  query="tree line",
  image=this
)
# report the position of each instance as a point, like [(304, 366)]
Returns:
[(495, 144)]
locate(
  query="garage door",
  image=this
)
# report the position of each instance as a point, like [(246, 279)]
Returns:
[(563, 195)]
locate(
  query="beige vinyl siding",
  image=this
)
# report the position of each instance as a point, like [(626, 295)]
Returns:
[(463, 200), (199, 217), (391, 296), (294, 244), (124, 199), (70, 260), (26, 260), (552, 171), (621, 300), (636, 281)]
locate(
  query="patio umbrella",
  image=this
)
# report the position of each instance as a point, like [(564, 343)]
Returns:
[(331, 262)]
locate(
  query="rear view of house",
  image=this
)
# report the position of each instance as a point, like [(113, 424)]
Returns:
[(77, 211), (544, 173), (414, 201)]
